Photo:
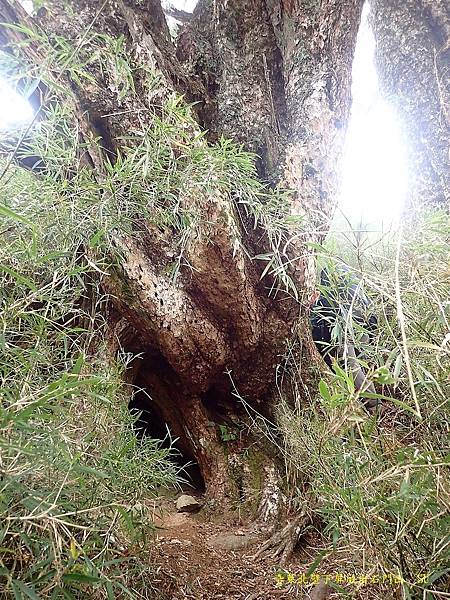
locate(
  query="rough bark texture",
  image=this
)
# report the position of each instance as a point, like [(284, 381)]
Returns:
[(274, 75), (413, 58), (278, 76)]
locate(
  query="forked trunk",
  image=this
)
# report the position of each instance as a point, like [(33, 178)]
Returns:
[(275, 76)]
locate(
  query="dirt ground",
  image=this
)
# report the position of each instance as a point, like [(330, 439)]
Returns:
[(201, 556)]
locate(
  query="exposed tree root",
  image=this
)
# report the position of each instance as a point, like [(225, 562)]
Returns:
[(282, 543)]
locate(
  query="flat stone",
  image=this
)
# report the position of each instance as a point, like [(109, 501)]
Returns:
[(232, 541), (187, 503)]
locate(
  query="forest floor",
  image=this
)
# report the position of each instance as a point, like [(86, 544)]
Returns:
[(202, 556)]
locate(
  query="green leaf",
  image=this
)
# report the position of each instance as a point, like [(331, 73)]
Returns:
[(109, 590), (398, 367), (18, 277), (324, 390), (126, 519), (21, 590), (77, 366), (437, 575), (399, 403), (96, 238), (316, 562), (80, 578), (8, 212)]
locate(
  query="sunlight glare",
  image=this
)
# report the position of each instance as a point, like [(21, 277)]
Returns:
[(375, 174), (15, 110), (187, 5), (28, 5)]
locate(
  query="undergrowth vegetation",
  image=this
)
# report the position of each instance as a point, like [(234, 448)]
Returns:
[(73, 474), (380, 482)]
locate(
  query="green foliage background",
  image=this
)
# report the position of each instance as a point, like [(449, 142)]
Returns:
[(380, 482)]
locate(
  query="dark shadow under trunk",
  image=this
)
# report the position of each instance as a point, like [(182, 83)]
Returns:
[(159, 410)]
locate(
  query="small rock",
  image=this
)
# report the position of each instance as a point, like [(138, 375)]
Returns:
[(320, 592), (187, 503), (231, 541)]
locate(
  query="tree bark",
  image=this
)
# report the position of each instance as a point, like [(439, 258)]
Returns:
[(278, 75), (413, 57), (275, 76)]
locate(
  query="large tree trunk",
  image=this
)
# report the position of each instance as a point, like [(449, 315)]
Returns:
[(274, 75), (413, 57)]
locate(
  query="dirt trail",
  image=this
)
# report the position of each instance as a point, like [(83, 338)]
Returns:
[(199, 559), (210, 556)]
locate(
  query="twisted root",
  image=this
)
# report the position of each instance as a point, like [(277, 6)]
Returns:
[(282, 543)]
